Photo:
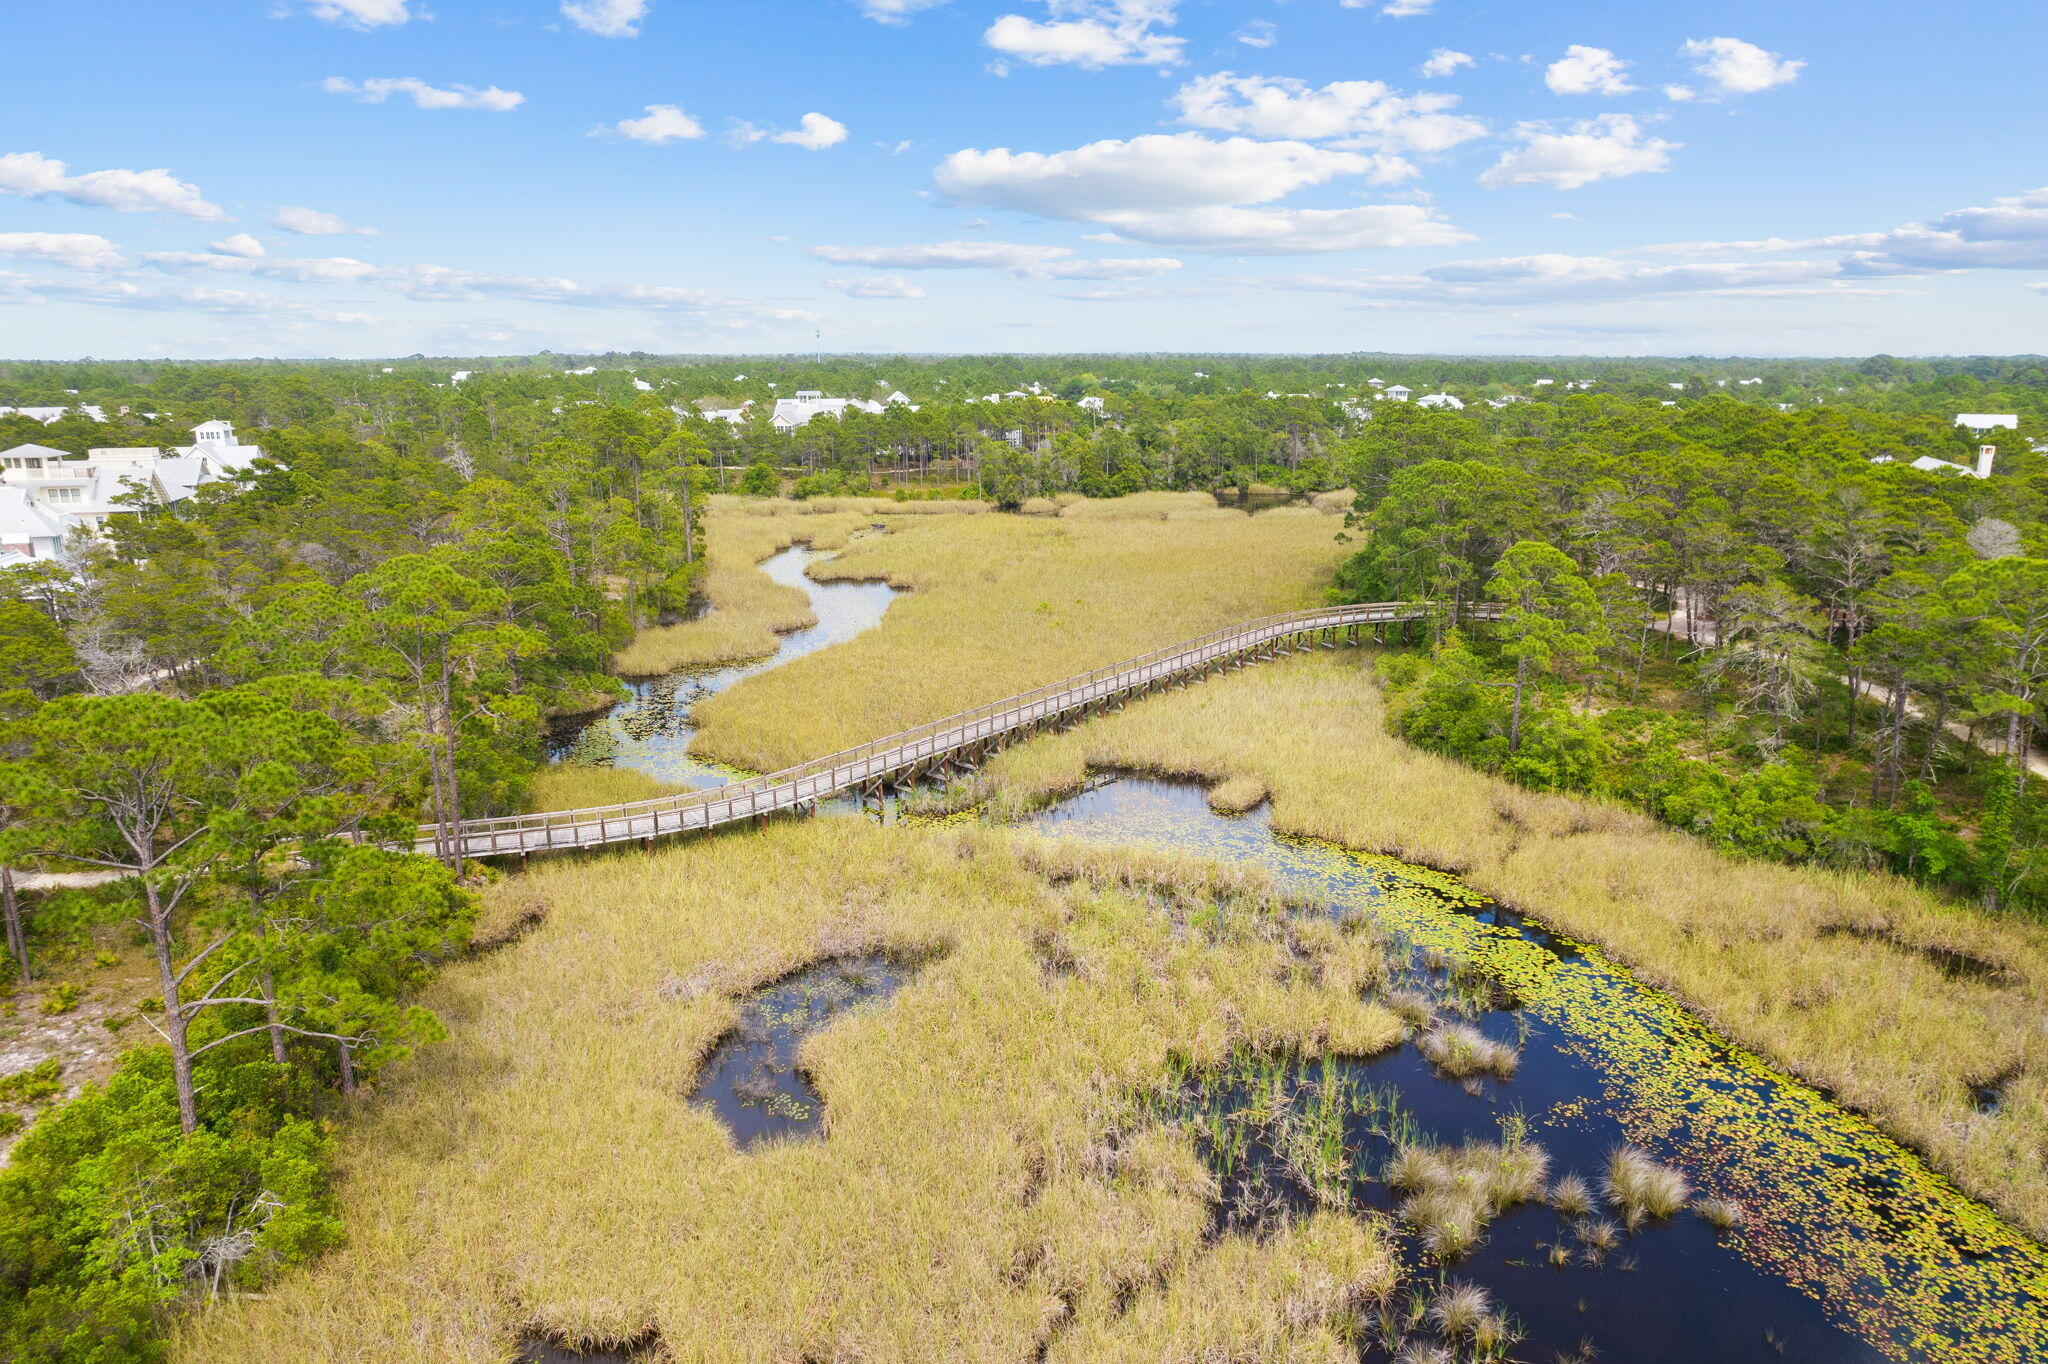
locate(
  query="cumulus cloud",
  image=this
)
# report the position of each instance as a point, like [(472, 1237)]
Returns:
[(74, 250), (877, 286), (661, 123), (1605, 148), (2008, 234), (606, 18), (1185, 189), (380, 88), (1258, 33), (1156, 171), (1732, 67), (240, 244), (814, 132), (1020, 259), (1359, 114), (1588, 71), (35, 176), (364, 14), (1396, 9), (312, 222), (1091, 34), (1443, 62)]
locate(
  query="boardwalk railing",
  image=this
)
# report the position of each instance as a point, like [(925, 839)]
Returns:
[(924, 749)]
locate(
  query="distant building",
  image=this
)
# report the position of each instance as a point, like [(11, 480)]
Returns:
[(1398, 393), (1091, 402), (1988, 421), (810, 404), (1444, 400), (46, 496)]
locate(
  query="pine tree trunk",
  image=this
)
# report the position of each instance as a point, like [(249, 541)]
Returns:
[(17, 940), (174, 1011), (1515, 723), (348, 1067)]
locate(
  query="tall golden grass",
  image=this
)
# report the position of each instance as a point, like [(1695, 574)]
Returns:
[(978, 1186), (1754, 947), (999, 604)]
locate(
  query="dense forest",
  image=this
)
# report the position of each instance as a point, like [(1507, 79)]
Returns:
[(1725, 594)]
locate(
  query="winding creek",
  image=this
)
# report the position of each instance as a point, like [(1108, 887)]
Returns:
[(1848, 1249), (651, 730)]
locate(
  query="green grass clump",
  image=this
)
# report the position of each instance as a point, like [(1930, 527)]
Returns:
[(1642, 1189)]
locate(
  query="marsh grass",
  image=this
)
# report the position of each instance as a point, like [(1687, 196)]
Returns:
[(1453, 1193), (1460, 1050), (579, 786), (1641, 1189), (544, 1167), (1237, 796), (1891, 1034), (996, 605)]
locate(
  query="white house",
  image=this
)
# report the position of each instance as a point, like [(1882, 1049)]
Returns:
[(45, 415), (1091, 402), (643, 386), (1440, 400), (1745, 383), (808, 404), (1399, 393), (1545, 383), (47, 496), (1988, 421), (458, 376), (1928, 464)]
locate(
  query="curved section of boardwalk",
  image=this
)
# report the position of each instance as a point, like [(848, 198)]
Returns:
[(939, 746)]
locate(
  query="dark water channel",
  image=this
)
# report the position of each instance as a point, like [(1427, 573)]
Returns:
[(650, 731), (751, 1079), (1849, 1248)]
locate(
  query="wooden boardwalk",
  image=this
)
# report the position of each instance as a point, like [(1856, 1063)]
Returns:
[(941, 747)]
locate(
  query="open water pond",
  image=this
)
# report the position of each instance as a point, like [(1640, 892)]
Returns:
[(751, 1079), (650, 731), (1849, 1248)]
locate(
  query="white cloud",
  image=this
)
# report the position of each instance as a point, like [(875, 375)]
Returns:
[(1364, 114), (1185, 189), (1605, 148), (1443, 62), (814, 132), (877, 286), (1020, 259), (121, 293), (360, 13), (441, 283), (896, 11), (1396, 9), (380, 88), (1680, 94), (1238, 231), (1258, 33), (75, 250), (943, 255), (1156, 171), (240, 244), (606, 18), (661, 123), (2009, 234), (1733, 67), (35, 176), (1588, 71), (1556, 278), (312, 222), (1091, 34), (1116, 267)]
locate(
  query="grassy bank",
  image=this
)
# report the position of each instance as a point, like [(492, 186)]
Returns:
[(978, 1193), (1834, 975), (998, 604)]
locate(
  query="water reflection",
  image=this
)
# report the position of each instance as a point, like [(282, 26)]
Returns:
[(651, 731), (1852, 1249)]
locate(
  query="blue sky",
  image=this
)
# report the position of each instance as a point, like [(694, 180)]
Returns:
[(378, 177)]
